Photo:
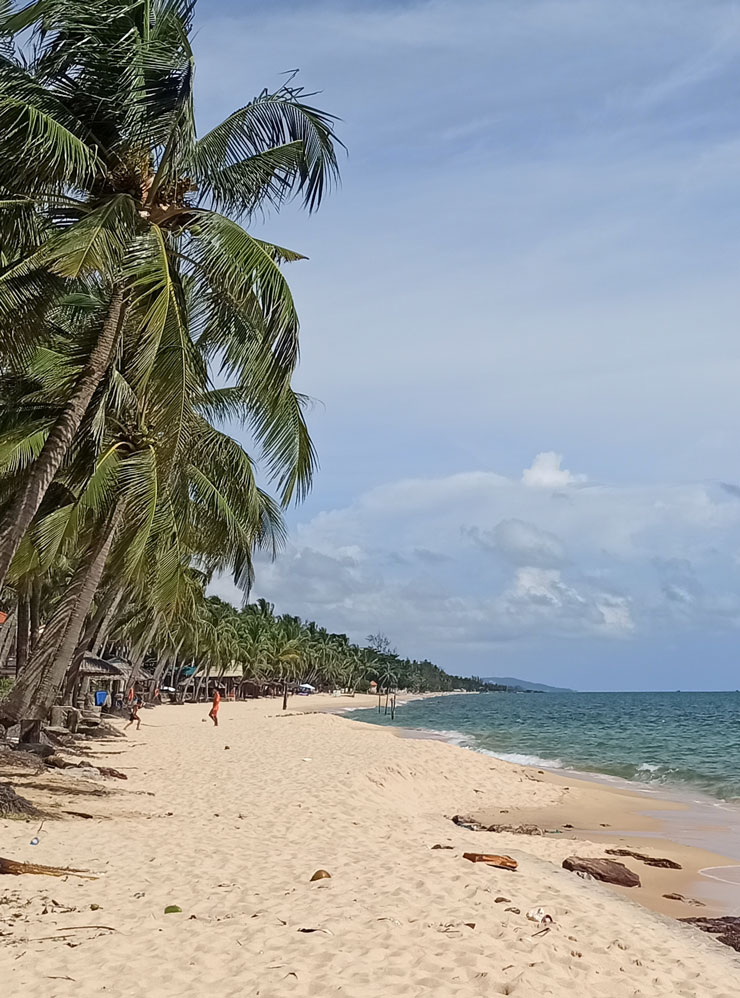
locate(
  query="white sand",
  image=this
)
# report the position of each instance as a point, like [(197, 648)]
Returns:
[(248, 828)]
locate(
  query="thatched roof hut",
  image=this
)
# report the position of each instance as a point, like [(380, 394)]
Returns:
[(92, 665)]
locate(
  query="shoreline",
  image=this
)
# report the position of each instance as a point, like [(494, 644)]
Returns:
[(229, 824), (642, 818)]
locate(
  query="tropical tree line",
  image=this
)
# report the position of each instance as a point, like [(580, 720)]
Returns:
[(279, 650), (140, 319)]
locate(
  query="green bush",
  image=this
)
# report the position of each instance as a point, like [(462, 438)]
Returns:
[(6, 685)]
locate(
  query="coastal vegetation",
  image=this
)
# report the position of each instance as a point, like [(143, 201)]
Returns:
[(282, 649), (140, 319)]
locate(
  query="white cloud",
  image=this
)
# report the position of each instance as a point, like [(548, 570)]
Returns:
[(546, 473), (543, 599), (461, 565), (521, 543)]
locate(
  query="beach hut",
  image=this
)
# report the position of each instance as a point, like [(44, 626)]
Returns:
[(98, 676), (203, 682)]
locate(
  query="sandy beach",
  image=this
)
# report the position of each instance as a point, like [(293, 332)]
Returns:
[(229, 825)]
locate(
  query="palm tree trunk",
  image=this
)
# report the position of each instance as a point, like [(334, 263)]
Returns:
[(18, 518), (156, 681), (108, 606), (34, 612), (140, 654), (205, 674), (104, 626), (7, 637), (22, 633), (83, 645), (37, 688)]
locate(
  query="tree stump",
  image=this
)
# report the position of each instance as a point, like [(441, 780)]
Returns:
[(14, 806)]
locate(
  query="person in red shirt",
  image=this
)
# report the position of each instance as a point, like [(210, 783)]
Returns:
[(214, 709)]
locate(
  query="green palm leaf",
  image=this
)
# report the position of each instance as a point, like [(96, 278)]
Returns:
[(268, 122)]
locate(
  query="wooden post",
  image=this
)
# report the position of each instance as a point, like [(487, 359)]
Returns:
[(285, 694)]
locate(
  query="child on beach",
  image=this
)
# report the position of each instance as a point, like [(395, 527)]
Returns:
[(214, 709), (134, 715)]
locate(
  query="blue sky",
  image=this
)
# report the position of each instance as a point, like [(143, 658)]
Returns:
[(534, 254)]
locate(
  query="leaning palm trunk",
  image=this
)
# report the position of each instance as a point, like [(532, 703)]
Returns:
[(37, 688), (206, 675), (156, 681), (18, 518), (96, 629), (110, 602), (34, 613), (139, 655), (104, 626), (7, 635), (22, 631)]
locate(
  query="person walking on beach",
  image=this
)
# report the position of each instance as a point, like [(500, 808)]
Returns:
[(134, 715), (214, 708)]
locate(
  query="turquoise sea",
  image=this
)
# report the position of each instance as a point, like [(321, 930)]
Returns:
[(686, 741)]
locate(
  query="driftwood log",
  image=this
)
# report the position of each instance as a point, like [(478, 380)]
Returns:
[(15, 869), (473, 825), (666, 864), (607, 870), (503, 862)]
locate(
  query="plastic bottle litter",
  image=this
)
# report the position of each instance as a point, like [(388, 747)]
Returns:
[(540, 916)]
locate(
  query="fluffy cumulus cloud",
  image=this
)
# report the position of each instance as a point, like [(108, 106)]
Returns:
[(462, 566), (546, 472)]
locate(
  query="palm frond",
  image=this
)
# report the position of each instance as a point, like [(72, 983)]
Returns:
[(239, 279), (41, 143), (270, 121)]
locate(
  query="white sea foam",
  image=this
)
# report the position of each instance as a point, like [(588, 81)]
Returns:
[(648, 767), (453, 737), (525, 760), (713, 873), (468, 741)]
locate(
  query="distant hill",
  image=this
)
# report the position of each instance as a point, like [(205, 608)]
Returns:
[(522, 684)]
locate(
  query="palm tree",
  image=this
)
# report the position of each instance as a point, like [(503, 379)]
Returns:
[(180, 505), (102, 169)]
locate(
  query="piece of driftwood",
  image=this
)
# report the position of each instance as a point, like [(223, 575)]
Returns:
[(473, 825), (69, 789), (607, 870), (112, 773), (667, 864), (503, 862), (15, 869)]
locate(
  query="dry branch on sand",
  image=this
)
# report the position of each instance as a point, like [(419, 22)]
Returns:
[(13, 868)]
